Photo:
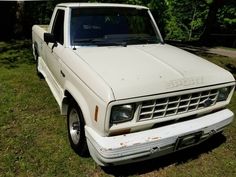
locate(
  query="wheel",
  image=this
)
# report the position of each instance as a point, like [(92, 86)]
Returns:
[(75, 127)]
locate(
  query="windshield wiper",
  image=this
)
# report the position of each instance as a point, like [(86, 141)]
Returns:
[(142, 40), (86, 41), (113, 43), (99, 42)]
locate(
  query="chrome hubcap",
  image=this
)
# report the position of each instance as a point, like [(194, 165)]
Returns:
[(74, 126)]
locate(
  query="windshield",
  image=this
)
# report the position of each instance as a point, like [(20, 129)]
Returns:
[(112, 26)]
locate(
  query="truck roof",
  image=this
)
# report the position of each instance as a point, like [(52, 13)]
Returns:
[(71, 5)]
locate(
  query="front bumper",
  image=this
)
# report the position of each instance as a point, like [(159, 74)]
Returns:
[(152, 143)]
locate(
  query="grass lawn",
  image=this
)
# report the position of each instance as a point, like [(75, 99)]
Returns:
[(33, 135)]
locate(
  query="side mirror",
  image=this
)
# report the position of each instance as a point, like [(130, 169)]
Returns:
[(49, 38)]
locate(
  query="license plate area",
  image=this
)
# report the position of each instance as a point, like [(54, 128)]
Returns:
[(188, 140)]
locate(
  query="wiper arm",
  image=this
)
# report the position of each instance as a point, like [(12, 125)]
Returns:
[(113, 43), (87, 40)]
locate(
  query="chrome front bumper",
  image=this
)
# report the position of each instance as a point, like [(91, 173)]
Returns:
[(133, 147)]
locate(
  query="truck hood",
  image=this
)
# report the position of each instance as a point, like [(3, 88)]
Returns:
[(141, 70)]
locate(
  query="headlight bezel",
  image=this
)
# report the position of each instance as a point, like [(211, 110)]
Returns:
[(125, 111)]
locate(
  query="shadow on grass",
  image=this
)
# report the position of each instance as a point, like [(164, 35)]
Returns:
[(14, 53), (176, 158)]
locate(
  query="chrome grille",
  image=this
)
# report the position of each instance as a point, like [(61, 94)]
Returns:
[(169, 106)]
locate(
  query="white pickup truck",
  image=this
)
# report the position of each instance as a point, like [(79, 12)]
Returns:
[(127, 95)]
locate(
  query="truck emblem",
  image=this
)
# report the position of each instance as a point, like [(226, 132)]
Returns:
[(208, 102), (186, 82)]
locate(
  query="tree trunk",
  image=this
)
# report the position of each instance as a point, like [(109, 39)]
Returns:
[(211, 19), (191, 24), (19, 19)]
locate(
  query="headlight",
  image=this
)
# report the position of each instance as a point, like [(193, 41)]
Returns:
[(122, 113), (223, 93)]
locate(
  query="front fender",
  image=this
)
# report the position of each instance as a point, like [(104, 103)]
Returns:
[(80, 100)]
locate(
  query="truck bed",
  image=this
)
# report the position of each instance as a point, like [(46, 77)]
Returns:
[(39, 30), (45, 27)]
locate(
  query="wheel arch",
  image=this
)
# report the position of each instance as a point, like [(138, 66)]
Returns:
[(35, 50), (70, 96)]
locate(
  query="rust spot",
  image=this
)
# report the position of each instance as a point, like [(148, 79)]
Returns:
[(151, 139), (123, 145), (155, 138), (96, 114)]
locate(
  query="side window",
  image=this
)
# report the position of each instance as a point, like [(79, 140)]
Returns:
[(58, 26)]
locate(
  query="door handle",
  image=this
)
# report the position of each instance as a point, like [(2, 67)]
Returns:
[(63, 75)]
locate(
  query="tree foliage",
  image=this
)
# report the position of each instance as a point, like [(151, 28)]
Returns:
[(183, 20), (226, 16), (186, 18)]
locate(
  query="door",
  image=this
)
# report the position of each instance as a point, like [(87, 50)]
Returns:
[(54, 51)]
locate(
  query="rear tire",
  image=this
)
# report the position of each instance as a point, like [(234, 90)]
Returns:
[(75, 127), (39, 74)]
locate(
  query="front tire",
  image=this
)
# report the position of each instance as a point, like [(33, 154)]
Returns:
[(75, 127)]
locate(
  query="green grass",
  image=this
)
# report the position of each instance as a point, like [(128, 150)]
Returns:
[(33, 135)]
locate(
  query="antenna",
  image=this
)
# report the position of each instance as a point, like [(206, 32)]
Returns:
[(73, 44)]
